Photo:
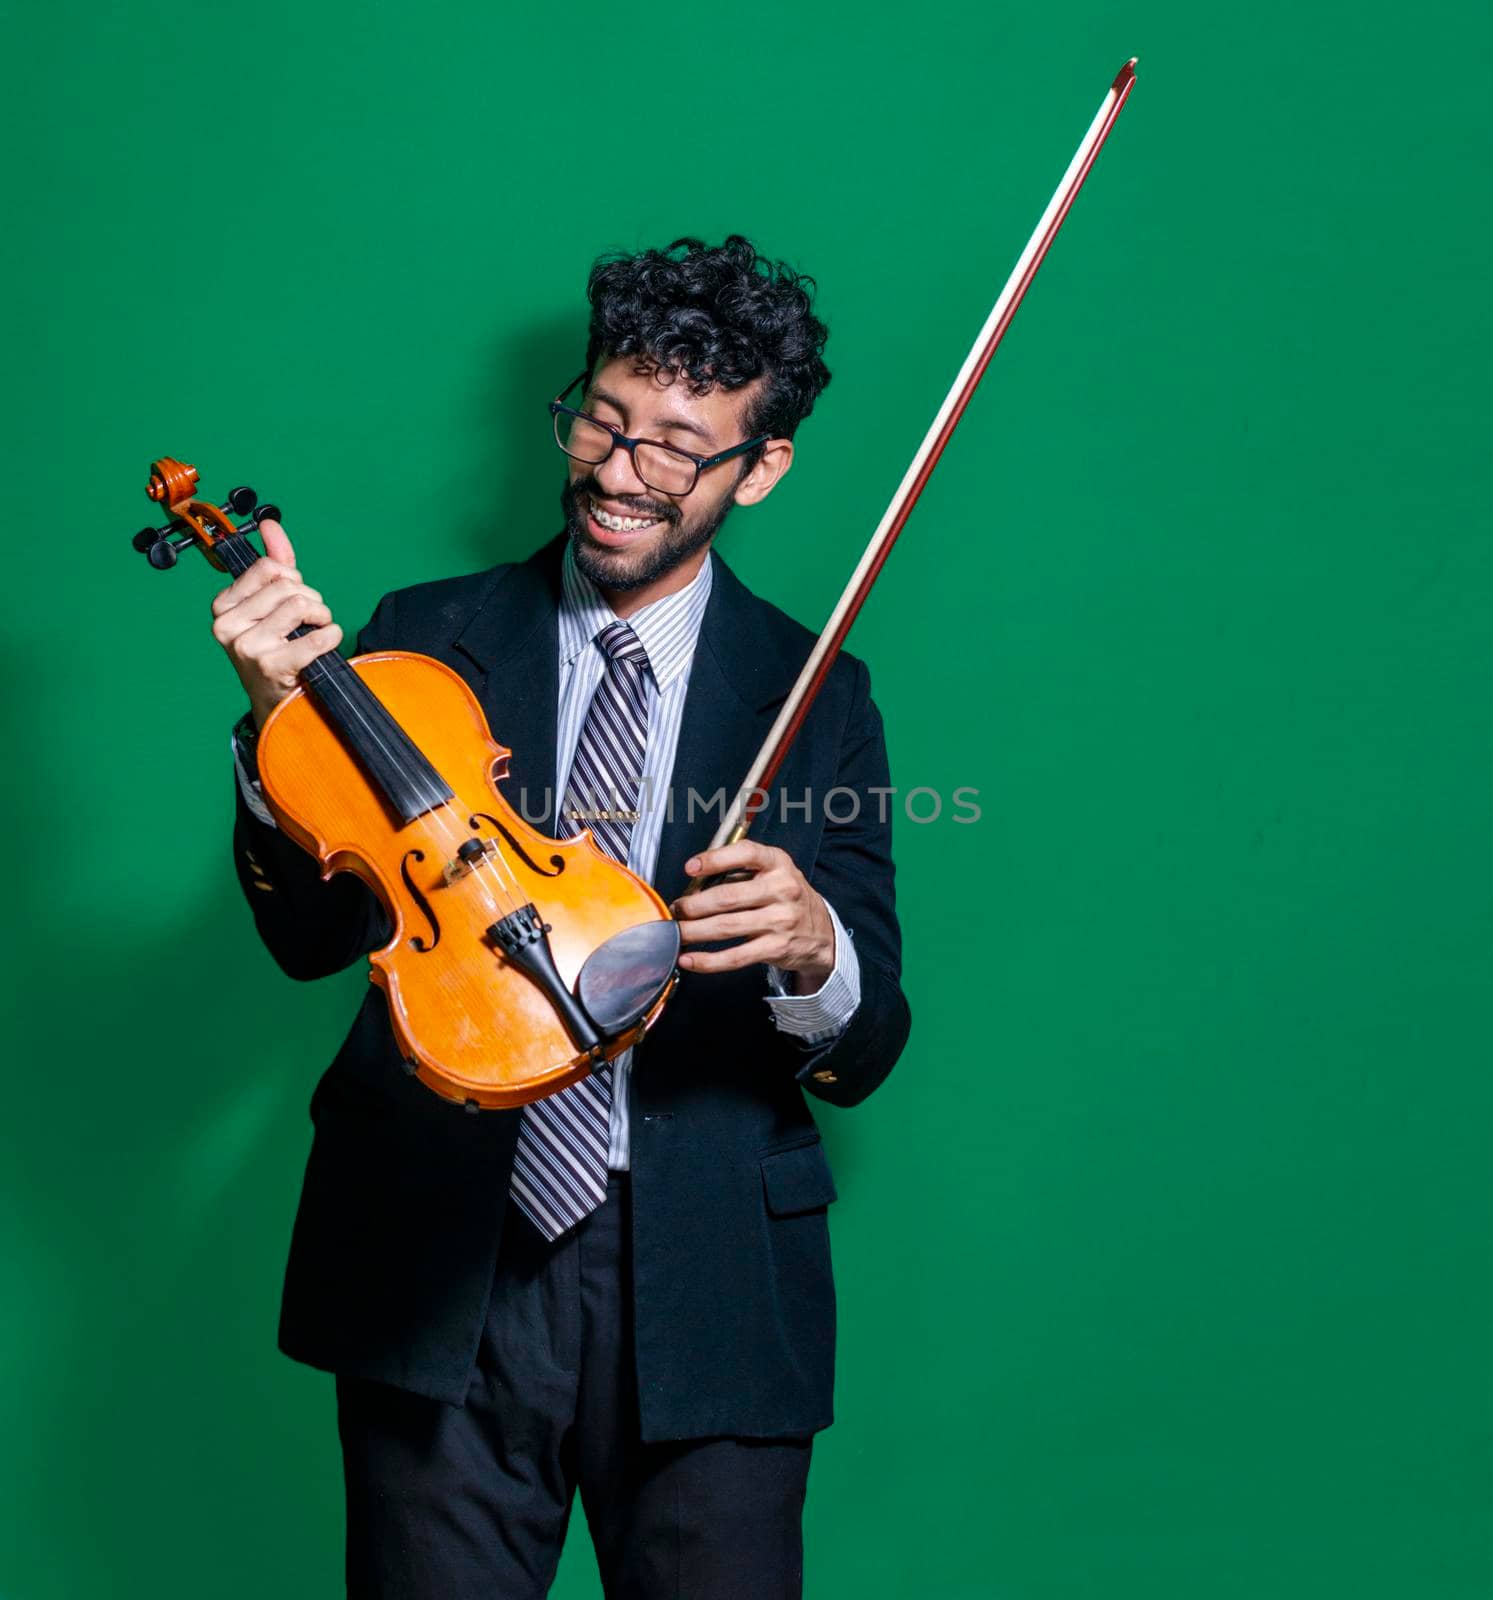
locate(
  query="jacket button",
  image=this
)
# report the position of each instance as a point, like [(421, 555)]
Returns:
[(825, 1077)]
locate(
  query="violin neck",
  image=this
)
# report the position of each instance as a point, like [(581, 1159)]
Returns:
[(392, 760)]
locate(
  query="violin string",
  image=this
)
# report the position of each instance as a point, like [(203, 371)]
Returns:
[(509, 893), (450, 834), (510, 899), (438, 807)]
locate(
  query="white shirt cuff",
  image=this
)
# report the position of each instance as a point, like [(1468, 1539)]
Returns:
[(249, 788), (816, 1018)]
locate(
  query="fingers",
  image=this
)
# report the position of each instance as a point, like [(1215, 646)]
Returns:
[(260, 576), (775, 916), (763, 913), (745, 853), (283, 598), (264, 638), (255, 615), (774, 878), (300, 653), (277, 562), (276, 545), (758, 891), (761, 920), (276, 671), (740, 955)]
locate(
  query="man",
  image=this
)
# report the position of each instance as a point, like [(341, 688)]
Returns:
[(624, 1288)]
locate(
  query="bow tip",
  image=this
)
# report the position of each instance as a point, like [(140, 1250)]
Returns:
[(1126, 74)]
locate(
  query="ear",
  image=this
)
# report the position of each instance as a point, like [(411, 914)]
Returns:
[(776, 458)]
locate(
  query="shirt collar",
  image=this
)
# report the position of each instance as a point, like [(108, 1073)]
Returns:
[(668, 628)]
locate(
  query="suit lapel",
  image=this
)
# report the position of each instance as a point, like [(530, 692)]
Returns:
[(513, 640), (736, 683)]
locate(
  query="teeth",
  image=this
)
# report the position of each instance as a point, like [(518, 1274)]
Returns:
[(620, 524)]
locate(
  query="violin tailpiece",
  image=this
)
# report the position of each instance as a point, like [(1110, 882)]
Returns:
[(523, 937)]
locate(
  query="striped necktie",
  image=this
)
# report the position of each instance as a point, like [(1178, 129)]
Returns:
[(560, 1166)]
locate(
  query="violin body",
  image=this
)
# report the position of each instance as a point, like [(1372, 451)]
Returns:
[(517, 963), (472, 1025)]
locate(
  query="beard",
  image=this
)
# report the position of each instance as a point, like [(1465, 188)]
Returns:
[(673, 541)]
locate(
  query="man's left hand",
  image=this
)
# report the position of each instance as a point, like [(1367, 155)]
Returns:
[(775, 915)]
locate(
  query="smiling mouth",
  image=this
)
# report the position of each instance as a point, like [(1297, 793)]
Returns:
[(615, 524)]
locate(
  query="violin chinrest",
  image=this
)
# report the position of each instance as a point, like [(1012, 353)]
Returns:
[(621, 979)]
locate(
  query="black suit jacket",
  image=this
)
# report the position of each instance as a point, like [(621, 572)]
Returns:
[(397, 1233)]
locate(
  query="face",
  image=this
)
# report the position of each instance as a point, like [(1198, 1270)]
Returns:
[(627, 535)]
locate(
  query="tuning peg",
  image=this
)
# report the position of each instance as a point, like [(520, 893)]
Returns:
[(272, 512), (241, 501), (146, 538), (162, 554)]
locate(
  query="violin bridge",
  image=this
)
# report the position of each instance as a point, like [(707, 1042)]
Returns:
[(468, 858)]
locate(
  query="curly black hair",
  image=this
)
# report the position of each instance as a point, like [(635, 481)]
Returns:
[(717, 314)]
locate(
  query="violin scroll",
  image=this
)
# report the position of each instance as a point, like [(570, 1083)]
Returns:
[(193, 521)]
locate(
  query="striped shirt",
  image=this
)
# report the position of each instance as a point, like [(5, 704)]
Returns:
[(669, 630)]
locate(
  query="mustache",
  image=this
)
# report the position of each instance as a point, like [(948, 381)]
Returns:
[(631, 507)]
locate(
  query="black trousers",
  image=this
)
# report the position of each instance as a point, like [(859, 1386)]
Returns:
[(471, 1502)]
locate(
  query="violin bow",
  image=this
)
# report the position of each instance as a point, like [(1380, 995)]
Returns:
[(753, 795)]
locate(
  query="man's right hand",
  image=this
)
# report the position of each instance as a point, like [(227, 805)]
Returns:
[(254, 617)]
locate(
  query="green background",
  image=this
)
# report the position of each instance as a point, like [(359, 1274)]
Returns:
[(1164, 1254)]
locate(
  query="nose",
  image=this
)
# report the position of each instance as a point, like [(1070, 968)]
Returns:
[(617, 475)]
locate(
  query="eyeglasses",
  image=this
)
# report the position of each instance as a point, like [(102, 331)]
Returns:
[(661, 467)]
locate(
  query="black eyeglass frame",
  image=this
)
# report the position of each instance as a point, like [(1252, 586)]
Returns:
[(700, 463)]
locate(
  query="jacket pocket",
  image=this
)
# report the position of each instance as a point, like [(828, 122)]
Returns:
[(797, 1180)]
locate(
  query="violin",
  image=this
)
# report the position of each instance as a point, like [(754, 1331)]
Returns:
[(517, 963)]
